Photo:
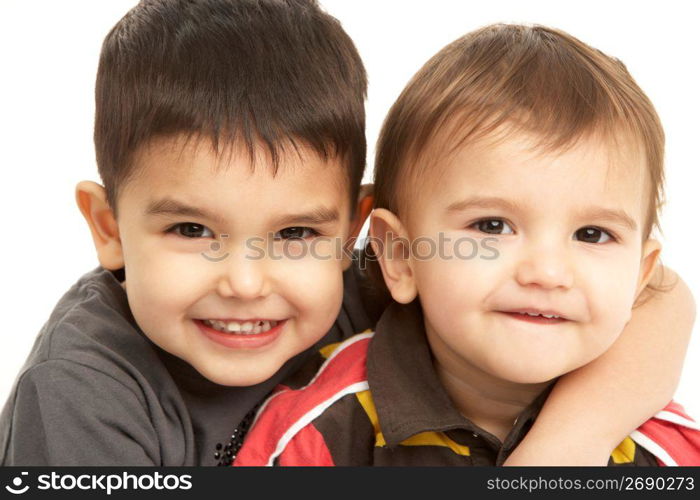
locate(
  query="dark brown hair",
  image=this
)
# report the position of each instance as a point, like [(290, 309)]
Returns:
[(527, 78), (253, 72)]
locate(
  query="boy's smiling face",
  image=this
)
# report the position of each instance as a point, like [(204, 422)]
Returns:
[(567, 229), (193, 228)]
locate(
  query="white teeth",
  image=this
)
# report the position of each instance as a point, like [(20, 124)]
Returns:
[(535, 315), (246, 328)]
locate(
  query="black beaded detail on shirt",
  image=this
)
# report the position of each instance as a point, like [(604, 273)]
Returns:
[(226, 454)]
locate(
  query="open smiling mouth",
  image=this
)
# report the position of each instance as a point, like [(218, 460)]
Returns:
[(241, 334), (241, 327)]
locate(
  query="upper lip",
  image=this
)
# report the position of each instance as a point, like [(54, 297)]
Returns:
[(533, 310)]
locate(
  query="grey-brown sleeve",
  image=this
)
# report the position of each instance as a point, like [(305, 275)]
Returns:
[(66, 413)]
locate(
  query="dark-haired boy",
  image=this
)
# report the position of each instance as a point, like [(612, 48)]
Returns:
[(223, 129)]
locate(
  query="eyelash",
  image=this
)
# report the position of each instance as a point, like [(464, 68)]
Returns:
[(312, 231), (475, 224), (612, 237), (177, 229)]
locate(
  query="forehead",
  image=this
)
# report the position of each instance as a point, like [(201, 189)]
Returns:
[(592, 170), (195, 173)]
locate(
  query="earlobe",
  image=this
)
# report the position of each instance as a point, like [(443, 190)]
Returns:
[(649, 264), (391, 247), (92, 202)]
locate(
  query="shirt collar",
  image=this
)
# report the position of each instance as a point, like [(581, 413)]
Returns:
[(407, 393)]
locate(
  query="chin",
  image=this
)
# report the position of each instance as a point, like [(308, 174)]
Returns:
[(237, 378), (238, 381), (527, 373), (532, 378)]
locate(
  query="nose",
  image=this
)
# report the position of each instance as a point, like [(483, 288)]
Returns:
[(243, 276), (546, 265)]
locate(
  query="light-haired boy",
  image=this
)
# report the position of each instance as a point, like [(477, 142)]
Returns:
[(518, 180)]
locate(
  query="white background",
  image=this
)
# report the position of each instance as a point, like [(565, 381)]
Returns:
[(48, 59)]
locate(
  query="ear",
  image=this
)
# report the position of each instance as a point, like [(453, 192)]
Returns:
[(362, 211), (92, 202), (392, 249), (651, 249)]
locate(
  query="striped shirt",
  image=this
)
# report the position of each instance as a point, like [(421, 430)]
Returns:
[(376, 400)]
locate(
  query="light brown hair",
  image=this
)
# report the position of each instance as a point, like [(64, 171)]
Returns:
[(529, 78)]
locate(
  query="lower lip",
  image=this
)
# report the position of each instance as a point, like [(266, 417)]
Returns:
[(540, 320), (239, 341)]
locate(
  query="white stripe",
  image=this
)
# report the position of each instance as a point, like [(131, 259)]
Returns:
[(654, 447), (308, 417), (347, 343), (677, 419), (338, 350), (263, 406)]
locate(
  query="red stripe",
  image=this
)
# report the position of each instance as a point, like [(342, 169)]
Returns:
[(307, 448), (681, 443), (287, 407), (676, 408)]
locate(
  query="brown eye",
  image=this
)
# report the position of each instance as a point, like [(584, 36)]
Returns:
[(295, 233), (493, 226), (592, 235), (192, 230)]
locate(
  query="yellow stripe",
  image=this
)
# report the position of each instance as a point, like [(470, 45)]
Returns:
[(433, 438), (429, 438), (327, 350), (624, 453), (365, 399)]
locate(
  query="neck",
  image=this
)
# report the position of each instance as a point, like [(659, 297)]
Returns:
[(490, 402)]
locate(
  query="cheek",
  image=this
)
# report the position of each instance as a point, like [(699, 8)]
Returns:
[(161, 283), (451, 287), (611, 288), (456, 262), (313, 286)]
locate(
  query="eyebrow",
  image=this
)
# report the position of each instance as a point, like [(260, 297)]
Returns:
[(619, 217), (170, 207), (483, 202), (316, 216)]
